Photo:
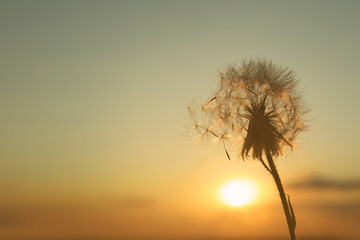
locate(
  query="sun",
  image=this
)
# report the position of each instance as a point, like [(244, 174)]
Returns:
[(238, 192)]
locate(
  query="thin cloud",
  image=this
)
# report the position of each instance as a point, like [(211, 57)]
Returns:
[(345, 208), (8, 218), (321, 183)]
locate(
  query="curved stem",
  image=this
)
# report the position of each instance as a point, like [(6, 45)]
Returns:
[(290, 218)]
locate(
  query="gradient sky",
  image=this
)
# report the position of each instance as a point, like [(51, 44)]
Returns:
[(95, 136)]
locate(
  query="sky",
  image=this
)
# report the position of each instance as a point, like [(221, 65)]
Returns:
[(96, 141)]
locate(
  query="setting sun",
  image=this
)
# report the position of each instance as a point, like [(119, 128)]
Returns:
[(238, 192)]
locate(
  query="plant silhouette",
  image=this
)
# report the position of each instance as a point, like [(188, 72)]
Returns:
[(258, 112)]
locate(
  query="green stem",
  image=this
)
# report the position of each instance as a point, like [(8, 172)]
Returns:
[(290, 218)]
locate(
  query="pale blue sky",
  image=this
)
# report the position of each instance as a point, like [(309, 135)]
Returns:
[(93, 94)]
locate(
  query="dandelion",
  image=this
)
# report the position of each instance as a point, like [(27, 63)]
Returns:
[(258, 112)]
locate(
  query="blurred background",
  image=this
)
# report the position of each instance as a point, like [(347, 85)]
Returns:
[(96, 141)]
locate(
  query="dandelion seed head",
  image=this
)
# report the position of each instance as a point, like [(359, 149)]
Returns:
[(256, 110)]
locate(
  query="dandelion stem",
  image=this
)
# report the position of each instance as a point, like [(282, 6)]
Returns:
[(290, 218)]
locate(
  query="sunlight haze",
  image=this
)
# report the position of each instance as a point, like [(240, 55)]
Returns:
[(96, 141)]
